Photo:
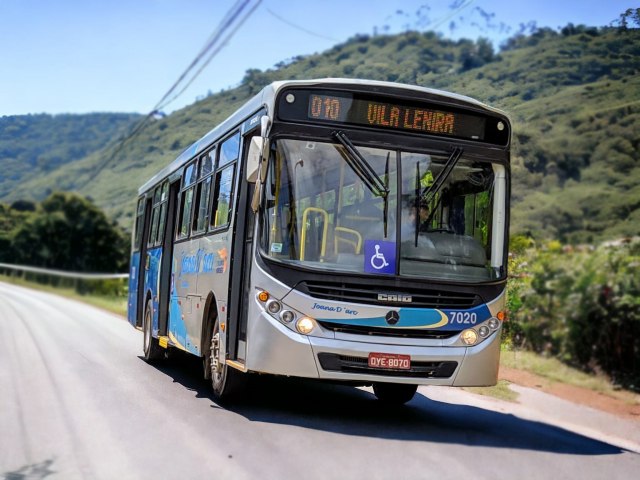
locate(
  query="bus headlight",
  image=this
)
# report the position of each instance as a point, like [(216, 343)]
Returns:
[(494, 323), (305, 325), (273, 306), (287, 316), (484, 331), (469, 336), (291, 318)]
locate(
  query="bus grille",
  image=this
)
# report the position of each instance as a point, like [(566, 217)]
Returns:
[(368, 294), (347, 364), (389, 332)]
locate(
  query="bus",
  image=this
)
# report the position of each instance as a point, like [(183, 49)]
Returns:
[(344, 230)]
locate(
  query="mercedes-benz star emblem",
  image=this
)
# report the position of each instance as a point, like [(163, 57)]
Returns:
[(392, 317)]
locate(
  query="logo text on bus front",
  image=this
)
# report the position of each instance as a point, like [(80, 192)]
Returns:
[(389, 297)]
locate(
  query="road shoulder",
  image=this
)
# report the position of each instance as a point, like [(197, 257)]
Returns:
[(625, 404)]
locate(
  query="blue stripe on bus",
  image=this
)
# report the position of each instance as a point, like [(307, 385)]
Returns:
[(422, 318)]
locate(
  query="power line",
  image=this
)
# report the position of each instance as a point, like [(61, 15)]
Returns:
[(214, 53), (298, 27), (227, 22)]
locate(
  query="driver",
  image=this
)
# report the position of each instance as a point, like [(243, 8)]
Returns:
[(409, 222)]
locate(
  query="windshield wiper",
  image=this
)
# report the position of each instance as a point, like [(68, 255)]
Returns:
[(362, 167), (429, 192), (365, 171)]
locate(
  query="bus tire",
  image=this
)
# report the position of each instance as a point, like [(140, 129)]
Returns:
[(150, 346), (394, 393), (227, 383)]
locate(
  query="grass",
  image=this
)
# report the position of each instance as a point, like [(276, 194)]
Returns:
[(501, 391), (111, 303), (554, 370), (551, 370)]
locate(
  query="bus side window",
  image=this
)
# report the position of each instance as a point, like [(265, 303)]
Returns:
[(222, 197), (186, 201), (203, 189), (139, 225), (164, 196), (223, 186), (154, 218)]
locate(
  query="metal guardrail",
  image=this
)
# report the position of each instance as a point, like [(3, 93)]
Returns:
[(62, 273)]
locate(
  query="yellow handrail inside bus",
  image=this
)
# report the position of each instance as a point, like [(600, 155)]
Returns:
[(325, 228), (357, 245)]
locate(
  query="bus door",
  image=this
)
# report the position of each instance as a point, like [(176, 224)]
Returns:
[(166, 267), (143, 262), (240, 264), (154, 250), (136, 267), (183, 277)]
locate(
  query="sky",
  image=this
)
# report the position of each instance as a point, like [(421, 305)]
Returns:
[(80, 56)]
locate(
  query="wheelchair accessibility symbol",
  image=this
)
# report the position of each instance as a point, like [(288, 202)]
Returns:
[(378, 261), (379, 256)]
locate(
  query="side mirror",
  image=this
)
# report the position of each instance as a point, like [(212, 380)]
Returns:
[(254, 158), (258, 155)]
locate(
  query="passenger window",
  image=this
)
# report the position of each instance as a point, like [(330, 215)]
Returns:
[(222, 197), (185, 213), (139, 225), (154, 228), (161, 222), (223, 182), (230, 150), (203, 189), (159, 215), (186, 200), (202, 205)]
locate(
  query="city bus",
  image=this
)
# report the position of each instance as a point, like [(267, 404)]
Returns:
[(344, 230)]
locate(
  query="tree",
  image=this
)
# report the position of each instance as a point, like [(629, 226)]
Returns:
[(474, 55), (69, 232), (630, 18)]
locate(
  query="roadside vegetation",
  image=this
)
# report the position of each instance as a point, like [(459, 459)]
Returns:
[(66, 232), (579, 304), (112, 298), (501, 391)]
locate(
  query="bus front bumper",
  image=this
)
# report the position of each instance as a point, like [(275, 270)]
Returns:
[(276, 349)]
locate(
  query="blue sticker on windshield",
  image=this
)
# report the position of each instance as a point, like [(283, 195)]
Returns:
[(379, 256)]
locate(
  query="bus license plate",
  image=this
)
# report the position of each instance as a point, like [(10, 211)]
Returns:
[(389, 360)]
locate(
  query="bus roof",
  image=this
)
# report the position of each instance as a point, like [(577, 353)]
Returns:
[(266, 98)]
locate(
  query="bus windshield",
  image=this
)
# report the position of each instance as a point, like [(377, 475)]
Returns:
[(320, 213)]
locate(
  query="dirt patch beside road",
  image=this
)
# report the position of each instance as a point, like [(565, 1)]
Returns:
[(624, 404)]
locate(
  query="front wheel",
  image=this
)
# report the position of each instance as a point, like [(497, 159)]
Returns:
[(227, 382), (150, 346), (394, 393)]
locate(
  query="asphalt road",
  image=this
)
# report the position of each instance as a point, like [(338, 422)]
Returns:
[(77, 401)]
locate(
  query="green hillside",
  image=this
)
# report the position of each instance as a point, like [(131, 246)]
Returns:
[(32, 146), (573, 96)]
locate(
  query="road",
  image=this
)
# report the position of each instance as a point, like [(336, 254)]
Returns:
[(77, 401)]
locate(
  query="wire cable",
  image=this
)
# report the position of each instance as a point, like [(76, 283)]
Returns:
[(227, 22), (214, 53), (298, 27)]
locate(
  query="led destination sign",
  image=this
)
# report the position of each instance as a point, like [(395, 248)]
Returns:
[(377, 114), (381, 112)]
